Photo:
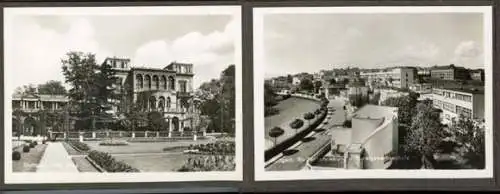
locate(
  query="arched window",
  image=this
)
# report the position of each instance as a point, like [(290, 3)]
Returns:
[(139, 81), (148, 81), (161, 104), (163, 82), (168, 102), (156, 82), (152, 103), (171, 82)]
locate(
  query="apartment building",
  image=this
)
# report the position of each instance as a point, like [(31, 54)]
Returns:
[(450, 72), (455, 102), (400, 77)]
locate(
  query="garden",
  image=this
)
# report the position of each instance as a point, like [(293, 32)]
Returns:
[(25, 158)]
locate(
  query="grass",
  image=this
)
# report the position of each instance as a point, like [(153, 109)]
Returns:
[(83, 164), (154, 162), (29, 160)]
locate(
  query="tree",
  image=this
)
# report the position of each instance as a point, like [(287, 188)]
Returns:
[(406, 107), (306, 85), (346, 81), (156, 122), (289, 78), (470, 140), (52, 88), (26, 89), (317, 85), (375, 98), (91, 87), (296, 124), (308, 116), (269, 96), (425, 134), (275, 133), (333, 81)]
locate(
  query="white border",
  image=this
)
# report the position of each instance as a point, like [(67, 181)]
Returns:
[(33, 178), (259, 69)]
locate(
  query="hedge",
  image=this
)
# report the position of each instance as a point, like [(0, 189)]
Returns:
[(108, 163)]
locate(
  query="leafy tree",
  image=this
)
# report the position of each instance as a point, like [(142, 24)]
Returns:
[(269, 96), (375, 98), (406, 107), (156, 122), (470, 140), (308, 116), (317, 85), (333, 81), (306, 85), (52, 88), (275, 133), (425, 134), (289, 78), (26, 89), (91, 87)]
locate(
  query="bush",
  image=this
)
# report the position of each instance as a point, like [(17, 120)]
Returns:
[(268, 111), (317, 111), (44, 142), (32, 145), (209, 163), (26, 148), (79, 145), (217, 148), (113, 143), (297, 123), (108, 163), (347, 124), (16, 155), (35, 143), (308, 116)]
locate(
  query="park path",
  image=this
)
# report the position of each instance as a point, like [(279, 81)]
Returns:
[(56, 159), (295, 158)]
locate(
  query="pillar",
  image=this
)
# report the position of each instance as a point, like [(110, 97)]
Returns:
[(169, 133), (81, 137), (194, 137), (145, 133), (157, 134), (121, 134), (133, 134), (107, 133), (204, 133), (64, 135)]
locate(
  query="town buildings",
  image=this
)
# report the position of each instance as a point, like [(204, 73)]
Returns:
[(399, 77), (450, 72), (455, 102), (422, 88), (477, 75)]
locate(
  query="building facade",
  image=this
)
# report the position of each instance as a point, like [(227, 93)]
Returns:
[(26, 111), (423, 88), (450, 72), (477, 74), (400, 77), (455, 102)]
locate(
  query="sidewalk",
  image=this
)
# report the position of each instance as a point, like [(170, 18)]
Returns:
[(56, 159)]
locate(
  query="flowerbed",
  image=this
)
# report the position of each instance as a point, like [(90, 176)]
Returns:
[(108, 163), (209, 163), (113, 143), (217, 148), (79, 146), (297, 123)]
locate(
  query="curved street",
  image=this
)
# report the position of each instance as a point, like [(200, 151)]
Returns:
[(294, 158)]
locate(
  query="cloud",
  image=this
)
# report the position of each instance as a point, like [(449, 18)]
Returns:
[(37, 51), (468, 52), (418, 53), (211, 52)]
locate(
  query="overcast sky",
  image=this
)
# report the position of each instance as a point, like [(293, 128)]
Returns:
[(310, 42), (207, 41)]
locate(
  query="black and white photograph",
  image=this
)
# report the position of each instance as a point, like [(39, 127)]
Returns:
[(373, 92), (122, 94)]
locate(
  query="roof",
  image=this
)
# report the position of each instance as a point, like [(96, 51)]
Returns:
[(41, 97), (375, 111), (446, 67), (475, 90)]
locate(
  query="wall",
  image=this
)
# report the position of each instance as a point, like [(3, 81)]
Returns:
[(478, 104), (380, 144)]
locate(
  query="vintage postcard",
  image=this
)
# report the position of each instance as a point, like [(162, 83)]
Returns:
[(122, 94), (373, 92)]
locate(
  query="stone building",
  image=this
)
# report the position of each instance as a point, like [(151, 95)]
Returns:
[(167, 90)]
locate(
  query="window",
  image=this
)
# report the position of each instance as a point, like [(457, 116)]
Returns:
[(163, 83), (139, 82), (156, 82), (168, 102), (449, 107), (464, 111), (171, 82), (148, 81), (183, 85)]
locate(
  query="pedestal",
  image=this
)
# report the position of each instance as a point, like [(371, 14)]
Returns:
[(81, 138), (93, 135), (133, 134), (194, 137), (169, 134), (204, 133), (157, 134)]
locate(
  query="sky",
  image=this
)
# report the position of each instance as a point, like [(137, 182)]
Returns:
[(295, 43), (153, 41)]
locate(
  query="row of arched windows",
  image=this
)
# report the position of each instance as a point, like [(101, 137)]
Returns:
[(155, 82), (162, 103)]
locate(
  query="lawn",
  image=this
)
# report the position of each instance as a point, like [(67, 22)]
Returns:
[(136, 147), (29, 160), (290, 109), (154, 162)]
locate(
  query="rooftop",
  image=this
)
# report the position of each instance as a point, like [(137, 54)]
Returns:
[(41, 97), (375, 111), (446, 67), (475, 90)]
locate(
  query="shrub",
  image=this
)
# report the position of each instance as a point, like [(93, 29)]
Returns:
[(32, 145), (26, 148), (35, 143), (79, 146), (268, 111), (16, 155), (108, 163), (217, 148), (317, 111), (347, 124), (297, 123), (113, 143), (209, 163), (44, 142)]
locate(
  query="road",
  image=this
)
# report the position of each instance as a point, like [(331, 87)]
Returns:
[(295, 157)]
